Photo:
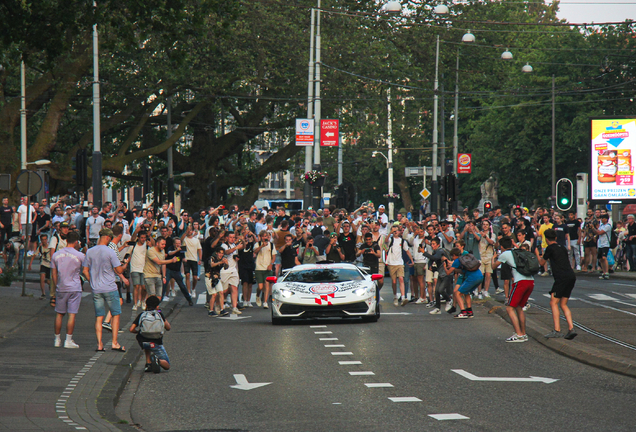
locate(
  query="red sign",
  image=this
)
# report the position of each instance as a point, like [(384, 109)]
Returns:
[(329, 131), (464, 163)]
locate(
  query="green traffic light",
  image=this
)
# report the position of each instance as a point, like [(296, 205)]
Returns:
[(564, 201)]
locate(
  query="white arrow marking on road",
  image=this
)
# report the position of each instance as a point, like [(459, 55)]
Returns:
[(234, 317), (397, 313), (476, 378), (242, 384)]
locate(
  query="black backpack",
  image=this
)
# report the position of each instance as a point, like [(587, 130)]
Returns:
[(613, 240), (470, 262), (526, 262)]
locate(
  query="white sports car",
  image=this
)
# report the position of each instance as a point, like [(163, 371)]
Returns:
[(325, 290)]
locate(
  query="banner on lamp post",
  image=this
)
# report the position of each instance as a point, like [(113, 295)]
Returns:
[(329, 132), (464, 163), (304, 132)]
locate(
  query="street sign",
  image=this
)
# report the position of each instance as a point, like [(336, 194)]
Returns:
[(413, 171), (464, 163), (5, 181), (29, 183), (304, 132), (425, 193), (329, 132)]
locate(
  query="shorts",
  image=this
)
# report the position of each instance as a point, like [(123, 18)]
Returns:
[(191, 266), (471, 284), (420, 269), (261, 275), (506, 272), (520, 292), (157, 349), (68, 302), (246, 274), (137, 278), (486, 264), (46, 271), (218, 288), (589, 244), (602, 252), (277, 259), (110, 298), (154, 286), (562, 288), (396, 271), (431, 275), (229, 278)]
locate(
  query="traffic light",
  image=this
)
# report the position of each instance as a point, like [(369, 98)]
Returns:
[(80, 166), (443, 189), (564, 194), (147, 176), (487, 206), (451, 187)]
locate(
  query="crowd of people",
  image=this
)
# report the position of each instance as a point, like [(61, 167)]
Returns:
[(135, 255)]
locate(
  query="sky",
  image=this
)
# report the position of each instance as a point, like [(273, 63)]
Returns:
[(587, 11)]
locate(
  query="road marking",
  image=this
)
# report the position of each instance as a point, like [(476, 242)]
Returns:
[(356, 373), (232, 317), (614, 283), (316, 326), (601, 297), (201, 299), (454, 416), (84, 294), (353, 362), (323, 332), (326, 346), (328, 339), (333, 403), (500, 379), (609, 307), (242, 384), (378, 385), (341, 353), (392, 313), (405, 399)]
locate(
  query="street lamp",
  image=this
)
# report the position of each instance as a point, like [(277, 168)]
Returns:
[(389, 166), (392, 7), (506, 55), (527, 68)]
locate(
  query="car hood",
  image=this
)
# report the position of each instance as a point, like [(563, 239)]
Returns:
[(323, 288)]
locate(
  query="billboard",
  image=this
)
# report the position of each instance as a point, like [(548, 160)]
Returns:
[(304, 132), (613, 146), (464, 163), (329, 130)]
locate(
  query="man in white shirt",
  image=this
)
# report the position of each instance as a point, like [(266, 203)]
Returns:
[(137, 263), (420, 264), (604, 233), (193, 257), (94, 224), (383, 220), (394, 244), (22, 211), (229, 276), (447, 235)]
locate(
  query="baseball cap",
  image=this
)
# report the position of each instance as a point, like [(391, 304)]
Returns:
[(631, 216), (381, 206), (346, 222), (106, 232), (64, 225)]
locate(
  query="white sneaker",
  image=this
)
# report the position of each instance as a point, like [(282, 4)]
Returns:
[(480, 297), (498, 291), (526, 307), (70, 344), (420, 301), (166, 298), (265, 305), (449, 305), (396, 302), (30, 253), (486, 293), (578, 267), (235, 311), (405, 302), (435, 311), (134, 307), (173, 293), (194, 293), (249, 304), (259, 303), (57, 343)]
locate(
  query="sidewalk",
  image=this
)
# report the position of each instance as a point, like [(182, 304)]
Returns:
[(43, 388)]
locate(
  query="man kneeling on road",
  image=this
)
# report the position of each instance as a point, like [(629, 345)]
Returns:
[(519, 294), (150, 326)]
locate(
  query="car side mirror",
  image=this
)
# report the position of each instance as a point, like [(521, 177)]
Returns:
[(271, 279), (375, 277)]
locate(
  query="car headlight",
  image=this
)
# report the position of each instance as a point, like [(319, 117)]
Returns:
[(286, 293), (360, 292)]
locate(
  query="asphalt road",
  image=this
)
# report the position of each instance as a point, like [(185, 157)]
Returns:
[(414, 354)]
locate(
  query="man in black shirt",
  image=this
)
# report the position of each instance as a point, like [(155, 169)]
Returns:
[(564, 280), (347, 242), (574, 229), (370, 252), (288, 255), (173, 270), (5, 220), (247, 265), (630, 242)]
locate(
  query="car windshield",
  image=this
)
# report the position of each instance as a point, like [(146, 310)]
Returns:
[(324, 275)]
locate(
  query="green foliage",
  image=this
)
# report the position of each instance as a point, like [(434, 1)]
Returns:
[(8, 276)]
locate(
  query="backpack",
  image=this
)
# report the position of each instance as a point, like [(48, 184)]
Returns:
[(613, 240), (527, 262), (469, 262), (151, 325)]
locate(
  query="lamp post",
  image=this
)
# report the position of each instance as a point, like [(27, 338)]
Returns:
[(97, 149), (389, 166), (467, 38), (438, 10)]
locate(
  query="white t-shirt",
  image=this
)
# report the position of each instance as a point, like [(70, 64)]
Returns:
[(95, 225), (418, 257), (232, 264), (193, 245), (384, 223), (507, 258), (138, 259), (394, 254), (125, 238), (22, 211), (265, 256)]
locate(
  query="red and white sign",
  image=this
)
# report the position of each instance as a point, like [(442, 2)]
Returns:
[(464, 163), (329, 132), (304, 132)]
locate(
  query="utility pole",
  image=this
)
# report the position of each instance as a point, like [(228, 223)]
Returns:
[(389, 134), (435, 195), (169, 155), (97, 149)]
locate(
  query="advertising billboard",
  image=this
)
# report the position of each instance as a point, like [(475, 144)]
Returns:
[(464, 163), (329, 131), (304, 132), (613, 146)]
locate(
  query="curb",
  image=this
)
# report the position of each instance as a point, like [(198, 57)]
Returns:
[(116, 382), (574, 350)]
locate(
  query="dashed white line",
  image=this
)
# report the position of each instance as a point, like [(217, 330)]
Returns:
[(356, 373), (323, 332), (318, 326), (405, 399), (351, 362), (453, 416), (335, 346), (328, 339), (337, 353), (378, 385)]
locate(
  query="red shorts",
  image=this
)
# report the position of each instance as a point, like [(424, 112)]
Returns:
[(520, 293)]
